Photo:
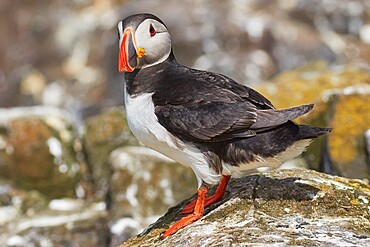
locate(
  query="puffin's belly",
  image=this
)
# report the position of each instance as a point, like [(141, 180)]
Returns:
[(145, 126)]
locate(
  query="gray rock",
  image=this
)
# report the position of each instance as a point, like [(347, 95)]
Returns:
[(280, 208)]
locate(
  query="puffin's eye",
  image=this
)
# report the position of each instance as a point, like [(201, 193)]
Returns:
[(152, 31)]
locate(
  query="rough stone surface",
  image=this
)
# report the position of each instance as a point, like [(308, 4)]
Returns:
[(38, 150), (279, 208)]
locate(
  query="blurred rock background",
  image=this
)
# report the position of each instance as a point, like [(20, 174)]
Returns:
[(71, 174)]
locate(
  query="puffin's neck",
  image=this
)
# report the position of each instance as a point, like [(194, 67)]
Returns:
[(144, 80)]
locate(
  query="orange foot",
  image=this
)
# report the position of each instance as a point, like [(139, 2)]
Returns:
[(219, 193), (198, 213)]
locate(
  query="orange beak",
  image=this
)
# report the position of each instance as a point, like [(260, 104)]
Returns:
[(127, 60)]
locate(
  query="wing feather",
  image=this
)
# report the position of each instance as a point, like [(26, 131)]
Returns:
[(215, 109), (208, 122)]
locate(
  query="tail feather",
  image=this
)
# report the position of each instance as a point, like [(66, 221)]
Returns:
[(310, 132), (273, 117), (284, 142)]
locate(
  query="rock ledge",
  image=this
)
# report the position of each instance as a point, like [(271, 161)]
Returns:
[(278, 208)]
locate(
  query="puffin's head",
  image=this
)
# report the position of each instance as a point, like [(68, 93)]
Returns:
[(143, 41)]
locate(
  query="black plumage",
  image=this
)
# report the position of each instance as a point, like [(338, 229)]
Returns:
[(204, 120), (228, 121)]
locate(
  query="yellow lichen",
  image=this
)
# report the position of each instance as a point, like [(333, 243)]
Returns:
[(306, 85), (352, 118), (355, 202)]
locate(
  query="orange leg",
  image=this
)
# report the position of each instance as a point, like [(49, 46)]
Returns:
[(219, 193), (187, 220)]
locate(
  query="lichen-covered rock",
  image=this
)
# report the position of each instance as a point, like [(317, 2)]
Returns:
[(144, 185), (38, 150), (309, 84), (102, 134), (342, 101), (350, 119), (279, 208)]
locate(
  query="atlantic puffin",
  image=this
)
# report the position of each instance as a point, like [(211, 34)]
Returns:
[(203, 120)]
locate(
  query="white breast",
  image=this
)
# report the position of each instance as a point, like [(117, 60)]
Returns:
[(144, 125)]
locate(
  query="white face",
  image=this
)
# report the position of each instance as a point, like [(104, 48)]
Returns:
[(156, 41), (150, 41)]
